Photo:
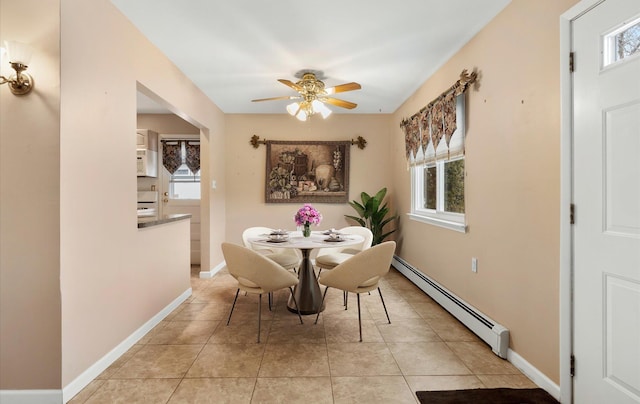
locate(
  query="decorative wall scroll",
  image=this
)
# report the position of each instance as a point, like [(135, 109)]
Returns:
[(436, 120), (307, 171)]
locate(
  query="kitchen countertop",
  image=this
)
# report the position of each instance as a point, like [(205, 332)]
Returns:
[(144, 222)]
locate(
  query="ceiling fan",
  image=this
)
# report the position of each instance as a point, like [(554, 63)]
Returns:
[(313, 95)]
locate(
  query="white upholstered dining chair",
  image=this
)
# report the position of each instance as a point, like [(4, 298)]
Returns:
[(256, 274), (359, 274), (329, 258), (288, 258)]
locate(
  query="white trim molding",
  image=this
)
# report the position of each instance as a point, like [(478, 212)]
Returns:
[(209, 274), (447, 224), (534, 374), (31, 396), (80, 382), (566, 197)]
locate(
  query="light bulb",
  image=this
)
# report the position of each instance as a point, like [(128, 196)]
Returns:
[(302, 115), (18, 52), (293, 108), (322, 109)]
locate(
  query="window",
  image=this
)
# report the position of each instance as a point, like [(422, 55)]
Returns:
[(437, 180), (183, 183), (621, 43)]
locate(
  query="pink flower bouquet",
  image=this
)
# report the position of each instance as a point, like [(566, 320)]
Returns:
[(306, 216)]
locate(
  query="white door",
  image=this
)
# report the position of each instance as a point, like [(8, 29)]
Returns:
[(180, 193), (606, 234)]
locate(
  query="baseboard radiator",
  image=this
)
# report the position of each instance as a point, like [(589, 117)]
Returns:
[(488, 330)]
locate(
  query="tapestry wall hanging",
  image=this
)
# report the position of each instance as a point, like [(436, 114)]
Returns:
[(307, 171)]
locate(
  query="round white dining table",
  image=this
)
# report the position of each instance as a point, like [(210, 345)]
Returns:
[(307, 291)]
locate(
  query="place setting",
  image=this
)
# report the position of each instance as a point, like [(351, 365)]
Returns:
[(277, 236), (334, 236)]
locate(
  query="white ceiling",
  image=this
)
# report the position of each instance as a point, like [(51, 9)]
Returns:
[(235, 51)]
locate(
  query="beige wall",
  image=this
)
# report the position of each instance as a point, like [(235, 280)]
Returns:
[(78, 277), (110, 269), (166, 124), (30, 329), (246, 166), (512, 183)]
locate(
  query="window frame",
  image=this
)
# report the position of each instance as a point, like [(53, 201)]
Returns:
[(173, 180), (608, 45), (438, 217), (170, 180)]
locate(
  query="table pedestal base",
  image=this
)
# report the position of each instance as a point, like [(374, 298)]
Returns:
[(307, 291)]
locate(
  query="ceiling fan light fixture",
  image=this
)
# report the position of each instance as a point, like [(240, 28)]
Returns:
[(319, 107), (313, 96), (301, 115), (293, 108)]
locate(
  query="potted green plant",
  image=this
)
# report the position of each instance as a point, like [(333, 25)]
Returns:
[(372, 214)]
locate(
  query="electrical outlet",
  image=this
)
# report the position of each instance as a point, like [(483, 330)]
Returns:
[(474, 264)]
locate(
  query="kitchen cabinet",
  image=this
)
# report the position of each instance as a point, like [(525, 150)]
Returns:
[(147, 152), (147, 139)]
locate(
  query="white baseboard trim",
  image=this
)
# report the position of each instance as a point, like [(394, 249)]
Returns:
[(534, 374), (80, 382), (31, 396), (213, 271)]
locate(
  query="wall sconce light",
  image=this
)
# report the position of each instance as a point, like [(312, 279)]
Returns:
[(19, 55)]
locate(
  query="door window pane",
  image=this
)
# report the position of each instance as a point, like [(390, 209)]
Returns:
[(628, 42), (621, 43)]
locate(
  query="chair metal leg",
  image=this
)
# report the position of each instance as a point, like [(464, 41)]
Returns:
[(345, 299), (270, 300), (259, 314), (233, 305), (296, 303), (321, 304), (384, 305), (359, 319)]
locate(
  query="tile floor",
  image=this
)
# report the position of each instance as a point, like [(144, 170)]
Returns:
[(193, 357)]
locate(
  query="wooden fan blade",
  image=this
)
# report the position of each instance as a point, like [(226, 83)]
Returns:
[(339, 103), (286, 97), (291, 84), (342, 88)]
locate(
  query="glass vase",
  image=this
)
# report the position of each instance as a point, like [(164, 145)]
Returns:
[(306, 230)]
